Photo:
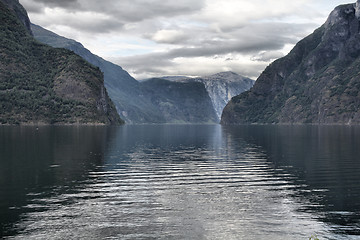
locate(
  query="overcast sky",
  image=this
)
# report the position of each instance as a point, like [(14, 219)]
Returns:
[(184, 37)]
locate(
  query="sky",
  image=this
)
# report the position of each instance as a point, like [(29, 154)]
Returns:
[(153, 38)]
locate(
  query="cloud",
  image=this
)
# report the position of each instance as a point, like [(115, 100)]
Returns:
[(187, 37), (124, 10), (224, 15), (196, 66), (32, 7), (253, 38), (267, 56), (169, 36), (80, 21), (245, 50), (105, 16), (56, 3)]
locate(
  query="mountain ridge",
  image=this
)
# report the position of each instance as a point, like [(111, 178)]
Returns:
[(20, 12), (316, 83), (123, 89), (180, 102), (43, 85), (222, 86), (140, 102)]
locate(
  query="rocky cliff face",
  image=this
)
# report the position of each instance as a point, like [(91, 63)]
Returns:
[(123, 89), (152, 101), (179, 102), (40, 84), (221, 87), (318, 82), (19, 11)]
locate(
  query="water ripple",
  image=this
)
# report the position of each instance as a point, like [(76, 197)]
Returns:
[(230, 189)]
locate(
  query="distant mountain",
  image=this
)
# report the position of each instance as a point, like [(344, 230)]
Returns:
[(175, 78), (180, 102), (40, 84), (123, 89), (318, 82), (221, 87), (151, 101)]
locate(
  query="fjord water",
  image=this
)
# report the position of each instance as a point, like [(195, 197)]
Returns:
[(180, 182)]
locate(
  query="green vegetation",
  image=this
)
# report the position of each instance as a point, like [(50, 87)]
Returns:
[(153, 101), (40, 84)]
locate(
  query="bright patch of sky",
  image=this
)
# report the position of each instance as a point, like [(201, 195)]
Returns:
[(151, 38)]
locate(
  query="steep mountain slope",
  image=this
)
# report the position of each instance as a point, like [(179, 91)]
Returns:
[(151, 101), (180, 102), (221, 87), (123, 89), (19, 11), (40, 84), (318, 82)]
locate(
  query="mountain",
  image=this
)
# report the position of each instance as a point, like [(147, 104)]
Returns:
[(175, 78), (150, 101), (318, 82), (19, 11), (40, 84), (180, 102), (123, 89), (221, 87)]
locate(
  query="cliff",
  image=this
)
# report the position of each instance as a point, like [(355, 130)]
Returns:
[(318, 82), (40, 84), (19, 11), (221, 87), (123, 89), (179, 102), (152, 101)]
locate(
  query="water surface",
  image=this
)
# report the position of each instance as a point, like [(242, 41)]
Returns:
[(180, 182)]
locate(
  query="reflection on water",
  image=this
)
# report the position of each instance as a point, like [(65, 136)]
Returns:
[(326, 159), (43, 163), (180, 182)]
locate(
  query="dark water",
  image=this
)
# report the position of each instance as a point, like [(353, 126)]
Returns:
[(180, 182)]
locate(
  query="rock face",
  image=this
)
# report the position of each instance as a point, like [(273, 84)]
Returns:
[(40, 84), (318, 82), (20, 12), (221, 87), (123, 89), (180, 102), (151, 101)]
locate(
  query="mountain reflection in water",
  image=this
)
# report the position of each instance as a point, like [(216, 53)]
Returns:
[(180, 182)]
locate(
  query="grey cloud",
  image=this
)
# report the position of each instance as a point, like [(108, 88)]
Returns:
[(32, 7), (155, 65), (97, 27), (146, 65), (248, 40), (226, 47), (156, 20), (117, 13), (144, 61), (84, 24), (124, 10), (263, 41), (160, 64), (56, 3), (144, 9), (245, 41), (267, 56)]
